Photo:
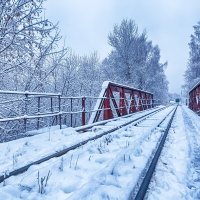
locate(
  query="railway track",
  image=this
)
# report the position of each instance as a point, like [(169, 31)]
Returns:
[(126, 121), (139, 121), (139, 191), (141, 183)]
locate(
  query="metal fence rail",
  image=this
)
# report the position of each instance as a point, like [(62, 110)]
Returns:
[(21, 112)]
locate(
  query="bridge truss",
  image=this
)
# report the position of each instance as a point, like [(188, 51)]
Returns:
[(22, 112)]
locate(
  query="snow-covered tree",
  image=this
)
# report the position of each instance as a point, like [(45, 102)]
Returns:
[(89, 75), (77, 76), (129, 51), (192, 74), (156, 80), (27, 39), (135, 61)]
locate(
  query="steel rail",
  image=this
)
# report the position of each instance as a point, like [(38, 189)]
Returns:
[(89, 126), (140, 190), (64, 151)]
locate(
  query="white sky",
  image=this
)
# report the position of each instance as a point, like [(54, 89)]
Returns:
[(85, 25)]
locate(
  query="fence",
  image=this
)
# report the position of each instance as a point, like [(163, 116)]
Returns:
[(22, 112)]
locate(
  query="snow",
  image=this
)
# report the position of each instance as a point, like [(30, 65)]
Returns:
[(106, 83), (172, 166), (197, 84), (179, 163), (192, 125), (109, 167), (97, 105), (28, 93), (16, 154)]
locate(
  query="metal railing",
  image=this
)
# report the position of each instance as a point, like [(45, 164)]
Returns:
[(22, 112)]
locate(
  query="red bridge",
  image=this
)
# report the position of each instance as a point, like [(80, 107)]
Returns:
[(25, 111), (124, 99)]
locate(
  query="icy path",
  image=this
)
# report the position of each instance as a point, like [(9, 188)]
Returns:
[(178, 171), (106, 168)]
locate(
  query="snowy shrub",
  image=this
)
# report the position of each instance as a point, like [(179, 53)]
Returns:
[(102, 147), (5, 174), (124, 158), (14, 160), (76, 162), (61, 164), (42, 182), (89, 157), (108, 139), (127, 143), (70, 163)]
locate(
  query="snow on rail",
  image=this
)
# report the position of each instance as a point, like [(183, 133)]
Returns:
[(28, 93), (98, 102), (51, 141), (177, 164), (103, 167)]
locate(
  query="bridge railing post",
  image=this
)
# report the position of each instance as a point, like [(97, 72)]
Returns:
[(25, 111), (132, 104), (107, 114), (51, 105), (122, 103), (59, 110), (83, 110), (140, 102), (38, 119), (146, 106), (71, 109)]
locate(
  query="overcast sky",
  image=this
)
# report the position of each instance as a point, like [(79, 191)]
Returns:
[(85, 25)]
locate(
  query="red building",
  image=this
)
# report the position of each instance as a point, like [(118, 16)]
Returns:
[(194, 98)]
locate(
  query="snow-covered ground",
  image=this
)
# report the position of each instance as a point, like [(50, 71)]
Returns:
[(105, 168), (178, 171), (109, 167), (18, 153)]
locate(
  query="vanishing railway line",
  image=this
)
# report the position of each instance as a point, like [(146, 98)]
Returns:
[(141, 183), (110, 128), (139, 191)]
